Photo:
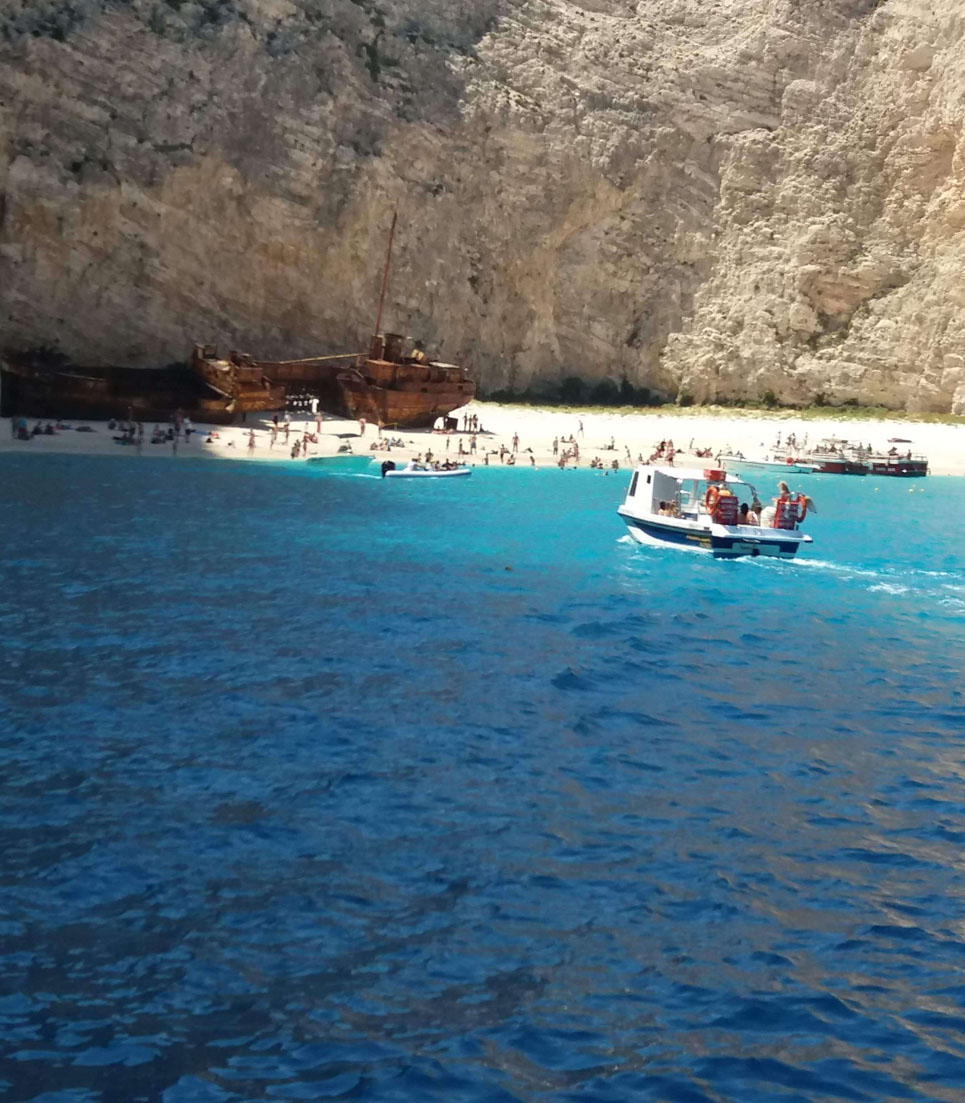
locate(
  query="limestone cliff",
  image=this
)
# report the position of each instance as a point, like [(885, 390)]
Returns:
[(711, 198)]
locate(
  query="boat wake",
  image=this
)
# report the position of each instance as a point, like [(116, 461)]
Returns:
[(944, 588)]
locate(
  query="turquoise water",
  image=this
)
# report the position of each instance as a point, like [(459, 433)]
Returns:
[(321, 786)]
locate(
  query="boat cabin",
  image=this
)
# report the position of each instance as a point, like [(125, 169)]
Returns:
[(685, 491)]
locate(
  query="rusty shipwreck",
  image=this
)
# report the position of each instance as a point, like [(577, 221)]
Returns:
[(393, 382)]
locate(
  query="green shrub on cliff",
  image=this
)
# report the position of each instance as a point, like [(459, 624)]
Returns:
[(56, 19)]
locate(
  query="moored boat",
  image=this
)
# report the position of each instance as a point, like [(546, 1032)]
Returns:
[(898, 466), (420, 471), (765, 465), (701, 509), (835, 457)]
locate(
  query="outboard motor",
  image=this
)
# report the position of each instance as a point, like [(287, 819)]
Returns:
[(387, 465)]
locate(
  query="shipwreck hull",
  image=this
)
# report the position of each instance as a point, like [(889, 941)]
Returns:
[(28, 390), (406, 394), (412, 409)]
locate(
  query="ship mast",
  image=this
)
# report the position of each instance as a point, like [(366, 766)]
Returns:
[(385, 274)]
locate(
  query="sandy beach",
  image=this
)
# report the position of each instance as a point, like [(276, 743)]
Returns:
[(617, 436)]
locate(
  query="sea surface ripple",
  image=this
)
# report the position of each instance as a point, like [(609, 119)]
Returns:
[(318, 786)]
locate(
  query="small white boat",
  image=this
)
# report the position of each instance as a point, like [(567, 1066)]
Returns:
[(767, 465), (701, 509), (410, 472)]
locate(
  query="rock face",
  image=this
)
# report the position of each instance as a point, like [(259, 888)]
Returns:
[(711, 199)]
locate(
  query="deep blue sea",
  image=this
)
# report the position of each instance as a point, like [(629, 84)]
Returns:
[(316, 786)]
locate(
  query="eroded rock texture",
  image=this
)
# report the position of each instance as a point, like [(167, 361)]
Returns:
[(712, 198)]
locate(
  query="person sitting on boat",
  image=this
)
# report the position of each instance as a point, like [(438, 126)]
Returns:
[(748, 516)]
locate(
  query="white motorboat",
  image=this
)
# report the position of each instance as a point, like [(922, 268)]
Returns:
[(766, 465), (419, 471), (701, 509)]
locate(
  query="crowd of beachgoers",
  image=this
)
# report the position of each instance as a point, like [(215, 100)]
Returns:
[(490, 434)]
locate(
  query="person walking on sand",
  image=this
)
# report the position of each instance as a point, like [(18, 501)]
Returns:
[(361, 426), (556, 446), (274, 436), (515, 442), (251, 440), (580, 430), (472, 444)]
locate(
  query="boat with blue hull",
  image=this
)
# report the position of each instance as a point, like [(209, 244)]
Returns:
[(702, 509)]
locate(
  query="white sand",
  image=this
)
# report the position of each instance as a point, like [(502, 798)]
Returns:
[(749, 431)]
